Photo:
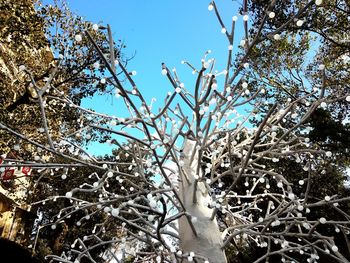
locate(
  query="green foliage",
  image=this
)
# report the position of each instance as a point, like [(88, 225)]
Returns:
[(41, 38), (331, 134)]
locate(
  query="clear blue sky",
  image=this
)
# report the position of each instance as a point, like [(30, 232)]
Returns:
[(160, 31)]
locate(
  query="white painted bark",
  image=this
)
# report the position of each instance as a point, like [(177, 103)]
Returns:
[(208, 241)]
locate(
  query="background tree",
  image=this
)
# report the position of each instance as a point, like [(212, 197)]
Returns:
[(34, 40), (38, 39), (191, 157), (325, 31)]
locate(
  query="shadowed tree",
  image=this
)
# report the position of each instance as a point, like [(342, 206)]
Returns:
[(12, 252)]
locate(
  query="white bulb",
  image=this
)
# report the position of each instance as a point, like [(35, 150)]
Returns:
[(323, 220), (164, 71), (301, 182), (115, 212), (234, 18), (95, 27), (277, 37), (335, 248), (210, 7), (306, 225), (109, 174), (327, 198), (178, 90), (246, 65), (300, 23), (291, 196), (328, 154), (244, 85), (318, 2), (272, 14), (69, 194), (321, 67), (245, 18), (134, 72), (96, 65), (230, 47), (78, 38), (106, 209), (323, 104), (64, 176), (347, 98), (223, 30)]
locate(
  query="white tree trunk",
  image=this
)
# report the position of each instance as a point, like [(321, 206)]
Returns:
[(208, 241)]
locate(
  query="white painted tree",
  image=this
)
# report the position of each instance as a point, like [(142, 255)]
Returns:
[(223, 187)]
